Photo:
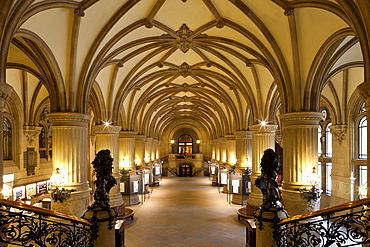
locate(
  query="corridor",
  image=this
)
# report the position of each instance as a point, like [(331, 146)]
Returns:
[(185, 211)]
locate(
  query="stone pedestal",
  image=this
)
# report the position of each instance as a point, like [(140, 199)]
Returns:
[(105, 220), (265, 226)]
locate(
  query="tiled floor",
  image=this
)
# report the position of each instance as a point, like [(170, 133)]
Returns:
[(185, 212)]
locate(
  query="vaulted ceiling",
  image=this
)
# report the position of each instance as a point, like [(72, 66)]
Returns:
[(150, 65)]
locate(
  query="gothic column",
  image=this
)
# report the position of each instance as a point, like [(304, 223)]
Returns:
[(243, 148), (300, 133), (127, 150), (107, 137), (364, 90), (140, 150), (263, 137), (342, 184), (154, 149), (222, 145), (230, 142), (70, 155), (148, 149), (216, 148)]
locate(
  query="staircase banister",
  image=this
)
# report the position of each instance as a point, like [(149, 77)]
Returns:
[(326, 211), (44, 211)]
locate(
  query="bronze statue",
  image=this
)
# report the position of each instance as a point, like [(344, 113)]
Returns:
[(103, 164), (270, 165)]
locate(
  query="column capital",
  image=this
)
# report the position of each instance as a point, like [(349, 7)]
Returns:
[(241, 134), (300, 118), (69, 119), (364, 90), (229, 137), (258, 128), (140, 137), (127, 134), (103, 129), (5, 91)]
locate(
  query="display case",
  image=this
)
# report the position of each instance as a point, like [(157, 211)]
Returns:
[(131, 185)]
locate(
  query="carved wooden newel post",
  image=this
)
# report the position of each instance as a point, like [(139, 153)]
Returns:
[(100, 211), (271, 210)]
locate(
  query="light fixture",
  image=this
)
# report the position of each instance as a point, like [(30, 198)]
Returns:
[(314, 192), (172, 141), (198, 141), (263, 123), (59, 194)]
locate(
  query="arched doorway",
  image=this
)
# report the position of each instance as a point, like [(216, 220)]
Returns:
[(186, 170)]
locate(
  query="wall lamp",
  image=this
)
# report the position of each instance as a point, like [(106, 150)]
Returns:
[(58, 194)]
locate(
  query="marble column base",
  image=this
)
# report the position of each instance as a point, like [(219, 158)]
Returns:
[(294, 204), (131, 200), (239, 199), (75, 205)]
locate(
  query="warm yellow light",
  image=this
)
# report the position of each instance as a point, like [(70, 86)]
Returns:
[(106, 124), (263, 123), (313, 178), (7, 191), (233, 160), (172, 141), (57, 179), (362, 190), (198, 141)]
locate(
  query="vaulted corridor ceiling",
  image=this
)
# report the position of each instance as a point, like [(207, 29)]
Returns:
[(221, 64)]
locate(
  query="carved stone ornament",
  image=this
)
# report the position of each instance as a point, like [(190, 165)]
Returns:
[(339, 132), (185, 38), (31, 132)]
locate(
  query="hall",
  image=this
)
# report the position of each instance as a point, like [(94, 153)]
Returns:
[(185, 88)]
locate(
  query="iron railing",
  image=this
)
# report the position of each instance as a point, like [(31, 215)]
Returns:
[(25, 225), (342, 225)]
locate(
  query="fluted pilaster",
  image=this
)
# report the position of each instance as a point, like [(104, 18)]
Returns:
[(107, 137), (223, 153), (300, 133), (155, 148), (243, 148), (148, 149), (127, 149), (140, 149), (70, 155), (230, 149)]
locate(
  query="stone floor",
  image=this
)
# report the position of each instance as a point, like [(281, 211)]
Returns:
[(185, 212)]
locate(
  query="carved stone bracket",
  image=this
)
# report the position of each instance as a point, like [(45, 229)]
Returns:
[(338, 131), (31, 132)]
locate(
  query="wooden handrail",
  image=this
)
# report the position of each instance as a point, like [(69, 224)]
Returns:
[(44, 211), (326, 211)]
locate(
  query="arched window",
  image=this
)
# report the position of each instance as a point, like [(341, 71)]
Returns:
[(7, 132), (361, 159), (185, 144), (45, 145), (362, 138)]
